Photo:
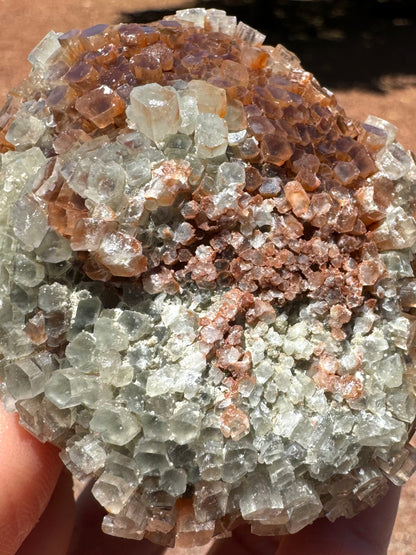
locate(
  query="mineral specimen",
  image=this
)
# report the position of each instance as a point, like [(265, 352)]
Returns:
[(207, 289)]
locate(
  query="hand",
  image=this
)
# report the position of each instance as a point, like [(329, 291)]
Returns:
[(36, 503)]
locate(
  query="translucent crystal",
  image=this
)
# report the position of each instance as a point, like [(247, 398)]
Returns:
[(108, 332), (112, 491), (191, 533), (185, 423), (371, 430), (80, 352), (390, 370), (219, 21), (210, 454), (87, 313), (303, 503), (284, 58), (281, 474), (53, 248), (388, 128), (121, 254), (25, 132), (138, 173), (371, 486), (24, 379), (87, 454), (17, 170), (30, 222), (240, 458), (401, 467), (209, 99), (101, 106), (53, 297), (210, 501), (173, 481), (151, 457), (401, 406), (177, 146), (27, 272), (105, 182), (193, 15), (116, 425), (249, 35), (259, 499), (394, 162), (211, 134), (230, 175), (154, 110), (188, 111), (130, 522), (42, 55), (68, 388)]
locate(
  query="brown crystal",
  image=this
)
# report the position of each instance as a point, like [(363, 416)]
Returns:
[(101, 106)]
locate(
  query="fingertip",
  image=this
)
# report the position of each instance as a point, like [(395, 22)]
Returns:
[(52, 534), (29, 471)]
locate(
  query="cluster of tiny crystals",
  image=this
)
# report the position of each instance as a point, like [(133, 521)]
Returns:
[(207, 291)]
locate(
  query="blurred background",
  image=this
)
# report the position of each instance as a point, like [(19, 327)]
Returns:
[(364, 50)]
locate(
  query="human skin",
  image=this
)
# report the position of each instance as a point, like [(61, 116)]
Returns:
[(38, 515)]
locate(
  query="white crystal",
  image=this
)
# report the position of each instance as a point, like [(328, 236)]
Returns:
[(24, 379), (112, 492), (303, 503), (88, 454), (230, 175), (27, 272), (249, 35), (16, 172), (154, 110), (54, 248), (219, 21), (105, 182), (192, 15), (390, 370), (25, 131), (53, 297), (45, 51), (389, 129), (211, 134), (209, 98), (188, 111), (30, 222), (109, 333), (68, 388), (210, 501), (115, 424), (393, 162)]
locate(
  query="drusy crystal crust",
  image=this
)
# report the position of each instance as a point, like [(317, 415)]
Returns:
[(207, 290)]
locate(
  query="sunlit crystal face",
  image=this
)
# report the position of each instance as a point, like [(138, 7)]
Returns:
[(207, 285)]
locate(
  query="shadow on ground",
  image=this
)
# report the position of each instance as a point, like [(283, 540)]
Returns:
[(366, 44)]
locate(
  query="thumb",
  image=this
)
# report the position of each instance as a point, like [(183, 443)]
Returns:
[(29, 471)]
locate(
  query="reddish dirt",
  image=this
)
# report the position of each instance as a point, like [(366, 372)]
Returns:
[(24, 22)]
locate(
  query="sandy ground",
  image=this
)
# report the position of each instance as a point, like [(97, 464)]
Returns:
[(24, 22)]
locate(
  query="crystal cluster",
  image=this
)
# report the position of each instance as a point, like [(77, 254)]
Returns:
[(207, 290)]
